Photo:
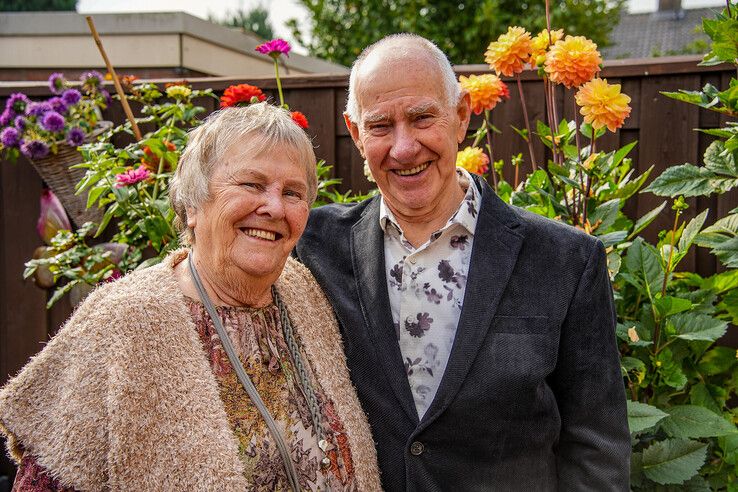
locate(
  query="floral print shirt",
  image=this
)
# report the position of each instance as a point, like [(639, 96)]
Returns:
[(426, 288)]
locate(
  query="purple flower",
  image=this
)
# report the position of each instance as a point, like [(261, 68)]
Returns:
[(132, 176), (57, 83), (37, 108), (20, 123), (6, 116), (52, 218), (106, 95), (10, 137), (17, 102), (34, 149), (71, 96), (75, 136), (92, 79), (52, 121), (58, 104), (274, 48)]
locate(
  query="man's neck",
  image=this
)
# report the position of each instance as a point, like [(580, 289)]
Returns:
[(418, 228)]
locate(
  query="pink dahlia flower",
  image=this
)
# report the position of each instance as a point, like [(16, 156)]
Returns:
[(274, 48), (131, 177)]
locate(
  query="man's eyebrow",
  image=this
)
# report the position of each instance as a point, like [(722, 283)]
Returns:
[(421, 109), (375, 117)]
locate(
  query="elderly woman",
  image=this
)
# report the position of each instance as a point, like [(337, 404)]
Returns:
[(221, 368)]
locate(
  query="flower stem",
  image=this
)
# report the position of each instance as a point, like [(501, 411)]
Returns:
[(527, 125), (279, 83), (657, 328), (727, 2), (589, 176), (488, 128), (579, 165)]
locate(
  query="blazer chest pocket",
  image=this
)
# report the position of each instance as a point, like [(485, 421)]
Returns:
[(521, 324)]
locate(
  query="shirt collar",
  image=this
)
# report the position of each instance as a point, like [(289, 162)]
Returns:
[(466, 215)]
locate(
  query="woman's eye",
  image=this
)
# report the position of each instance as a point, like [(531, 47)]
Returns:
[(293, 194)]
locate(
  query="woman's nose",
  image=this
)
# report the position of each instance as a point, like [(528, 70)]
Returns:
[(272, 204)]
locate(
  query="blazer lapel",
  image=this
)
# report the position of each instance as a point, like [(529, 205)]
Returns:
[(367, 255), (497, 241)]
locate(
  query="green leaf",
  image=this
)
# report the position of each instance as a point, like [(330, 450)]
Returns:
[(700, 395), (691, 231), (722, 282), (95, 193), (727, 252), (636, 469), (693, 326), (673, 461), (718, 360), (687, 180), (690, 421), (718, 161), (612, 238), (670, 371), (644, 221), (606, 213), (642, 416), (643, 261), (666, 306)]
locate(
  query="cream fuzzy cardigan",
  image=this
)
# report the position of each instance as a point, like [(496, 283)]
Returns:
[(123, 398)]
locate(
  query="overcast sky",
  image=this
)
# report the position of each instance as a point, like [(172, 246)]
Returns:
[(279, 10)]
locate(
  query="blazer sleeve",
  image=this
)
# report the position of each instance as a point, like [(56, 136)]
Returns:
[(594, 449)]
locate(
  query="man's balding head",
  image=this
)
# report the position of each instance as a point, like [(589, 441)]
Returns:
[(391, 53)]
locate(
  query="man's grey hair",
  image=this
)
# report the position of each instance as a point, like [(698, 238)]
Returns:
[(267, 128), (404, 44)]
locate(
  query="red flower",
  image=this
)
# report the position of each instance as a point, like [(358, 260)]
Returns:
[(300, 119), (241, 93), (151, 161)]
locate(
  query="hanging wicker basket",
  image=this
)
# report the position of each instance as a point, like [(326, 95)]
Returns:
[(55, 170)]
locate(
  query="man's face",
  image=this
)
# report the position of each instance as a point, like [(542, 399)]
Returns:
[(408, 133)]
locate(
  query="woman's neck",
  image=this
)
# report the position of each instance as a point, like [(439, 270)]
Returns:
[(224, 288)]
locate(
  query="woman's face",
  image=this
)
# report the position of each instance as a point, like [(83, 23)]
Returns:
[(256, 211)]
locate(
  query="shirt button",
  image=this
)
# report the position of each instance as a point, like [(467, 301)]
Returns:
[(417, 448), (413, 260)]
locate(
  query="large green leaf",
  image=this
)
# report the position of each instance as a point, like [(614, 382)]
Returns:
[(673, 461), (687, 180), (691, 231), (727, 252), (669, 305), (691, 421), (643, 222), (642, 416), (643, 262), (717, 360), (606, 213), (718, 161), (694, 326)]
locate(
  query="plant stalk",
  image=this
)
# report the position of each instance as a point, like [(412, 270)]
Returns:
[(527, 125), (279, 83), (488, 128), (657, 328)]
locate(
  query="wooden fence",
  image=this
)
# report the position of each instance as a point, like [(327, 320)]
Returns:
[(663, 128)]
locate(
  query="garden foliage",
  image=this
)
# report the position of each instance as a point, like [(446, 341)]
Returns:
[(681, 384)]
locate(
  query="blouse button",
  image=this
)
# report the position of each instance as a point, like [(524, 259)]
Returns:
[(417, 448)]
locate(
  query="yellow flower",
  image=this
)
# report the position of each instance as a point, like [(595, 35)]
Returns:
[(178, 91), (602, 104), (485, 90), (573, 61), (509, 54), (541, 42), (473, 160)]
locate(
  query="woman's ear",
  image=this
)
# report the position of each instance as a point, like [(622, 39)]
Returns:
[(191, 217)]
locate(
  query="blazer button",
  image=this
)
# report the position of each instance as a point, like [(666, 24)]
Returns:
[(417, 448)]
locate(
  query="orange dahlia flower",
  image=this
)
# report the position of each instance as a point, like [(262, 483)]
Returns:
[(509, 54), (241, 93), (573, 61), (542, 41), (473, 160), (485, 90), (602, 104)]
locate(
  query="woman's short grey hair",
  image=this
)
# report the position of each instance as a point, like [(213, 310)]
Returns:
[(267, 128), (404, 44)]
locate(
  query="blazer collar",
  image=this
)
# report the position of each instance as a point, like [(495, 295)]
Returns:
[(367, 256)]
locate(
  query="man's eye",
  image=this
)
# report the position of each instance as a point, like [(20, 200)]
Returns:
[(254, 186)]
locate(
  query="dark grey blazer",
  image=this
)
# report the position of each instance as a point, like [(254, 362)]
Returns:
[(532, 398)]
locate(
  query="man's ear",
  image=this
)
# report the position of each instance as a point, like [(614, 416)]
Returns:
[(463, 111), (353, 129)]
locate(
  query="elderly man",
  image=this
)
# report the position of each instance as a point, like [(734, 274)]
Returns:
[(480, 337)]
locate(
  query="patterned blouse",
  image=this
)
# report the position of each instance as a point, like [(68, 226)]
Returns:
[(257, 337), (426, 288)]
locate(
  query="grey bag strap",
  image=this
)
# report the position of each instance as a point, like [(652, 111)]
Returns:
[(245, 380)]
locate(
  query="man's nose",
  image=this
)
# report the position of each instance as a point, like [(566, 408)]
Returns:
[(405, 147)]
